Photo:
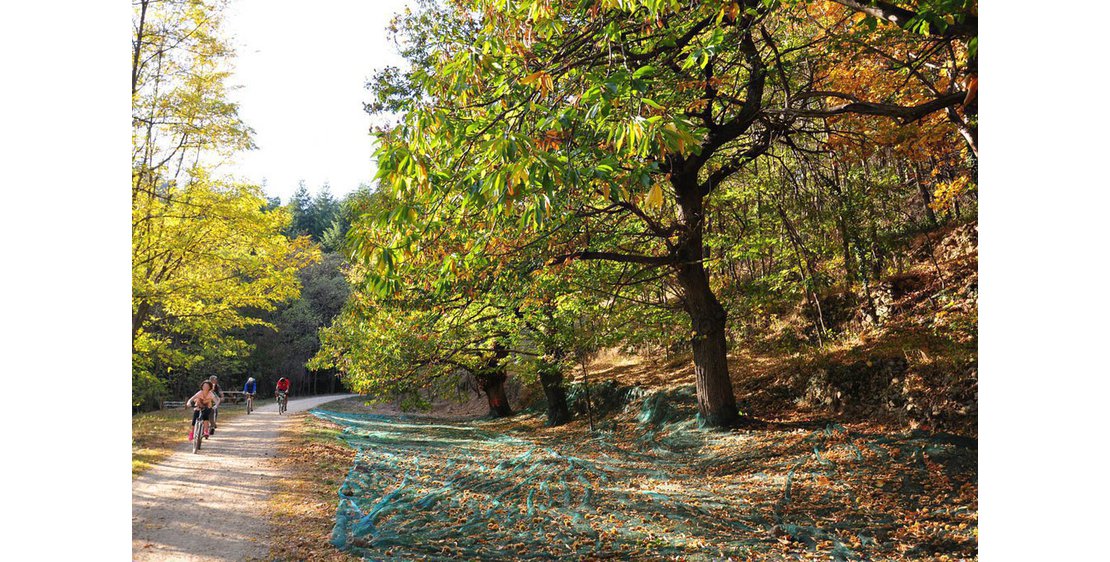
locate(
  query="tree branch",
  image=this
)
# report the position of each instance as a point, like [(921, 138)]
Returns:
[(613, 256), (902, 17), (902, 114)]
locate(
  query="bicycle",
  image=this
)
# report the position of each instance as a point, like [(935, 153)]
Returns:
[(283, 402), (250, 403), (198, 433)]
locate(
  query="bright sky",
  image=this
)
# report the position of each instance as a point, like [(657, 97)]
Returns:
[(302, 68)]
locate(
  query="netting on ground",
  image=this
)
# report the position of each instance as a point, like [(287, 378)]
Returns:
[(648, 488)]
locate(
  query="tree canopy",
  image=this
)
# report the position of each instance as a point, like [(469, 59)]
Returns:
[(204, 248), (540, 134)]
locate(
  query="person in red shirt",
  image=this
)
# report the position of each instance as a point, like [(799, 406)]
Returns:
[(282, 393)]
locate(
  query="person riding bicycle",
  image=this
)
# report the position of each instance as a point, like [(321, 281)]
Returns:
[(248, 390), (202, 402), (219, 398), (282, 387)]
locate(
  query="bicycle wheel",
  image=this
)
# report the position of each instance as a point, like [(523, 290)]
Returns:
[(249, 402), (198, 434)]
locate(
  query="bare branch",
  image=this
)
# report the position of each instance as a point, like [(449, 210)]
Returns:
[(902, 114)]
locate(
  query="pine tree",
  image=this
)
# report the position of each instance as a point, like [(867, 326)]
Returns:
[(300, 205), (325, 209)]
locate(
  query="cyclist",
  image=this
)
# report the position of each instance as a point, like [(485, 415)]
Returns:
[(282, 387), (250, 388), (215, 407), (202, 403)]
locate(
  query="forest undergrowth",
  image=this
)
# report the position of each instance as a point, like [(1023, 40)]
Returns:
[(916, 368)]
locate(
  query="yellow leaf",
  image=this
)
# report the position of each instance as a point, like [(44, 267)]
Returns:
[(655, 197), (541, 79), (527, 80)]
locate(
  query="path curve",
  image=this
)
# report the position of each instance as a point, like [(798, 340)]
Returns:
[(233, 477)]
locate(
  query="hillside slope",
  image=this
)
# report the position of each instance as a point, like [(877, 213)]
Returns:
[(905, 358)]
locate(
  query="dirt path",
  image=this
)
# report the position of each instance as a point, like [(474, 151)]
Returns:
[(211, 506)]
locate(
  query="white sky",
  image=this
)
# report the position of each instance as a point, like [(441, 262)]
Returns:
[(302, 68)]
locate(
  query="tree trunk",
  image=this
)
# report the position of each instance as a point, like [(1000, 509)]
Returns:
[(716, 402), (139, 318), (491, 380), (137, 48), (926, 197), (550, 371), (492, 384), (969, 131), (843, 218), (551, 379)]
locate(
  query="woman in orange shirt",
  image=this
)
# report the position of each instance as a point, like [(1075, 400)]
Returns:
[(202, 403)]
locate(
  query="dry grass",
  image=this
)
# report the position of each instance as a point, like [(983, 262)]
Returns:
[(769, 381), (302, 510), (155, 435)]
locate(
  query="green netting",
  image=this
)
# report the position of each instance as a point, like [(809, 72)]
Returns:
[(429, 490)]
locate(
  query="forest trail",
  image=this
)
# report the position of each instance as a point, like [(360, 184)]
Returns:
[(211, 506)]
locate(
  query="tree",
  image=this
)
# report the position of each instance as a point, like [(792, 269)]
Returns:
[(313, 216), (284, 349), (603, 129), (449, 318), (325, 212), (300, 206), (403, 348), (203, 248)]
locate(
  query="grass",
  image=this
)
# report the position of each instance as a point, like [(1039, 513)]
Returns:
[(156, 435), (302, 509)]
